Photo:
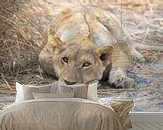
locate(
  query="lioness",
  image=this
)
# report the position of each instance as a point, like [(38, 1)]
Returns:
[(80, 47)]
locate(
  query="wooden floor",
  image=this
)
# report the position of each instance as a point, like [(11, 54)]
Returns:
[(147, 126), (147, 121)]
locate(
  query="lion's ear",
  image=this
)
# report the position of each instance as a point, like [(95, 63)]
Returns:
[(105, 53), (55, 42)]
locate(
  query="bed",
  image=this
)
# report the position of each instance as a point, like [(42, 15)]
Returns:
[(59, 114)]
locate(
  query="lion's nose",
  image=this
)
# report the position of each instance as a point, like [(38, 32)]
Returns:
[(69, 83)]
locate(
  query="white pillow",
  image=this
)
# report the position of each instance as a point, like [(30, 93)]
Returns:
[(19, 94), (24, 92), (92, 92), (52, 95), (80, 91)]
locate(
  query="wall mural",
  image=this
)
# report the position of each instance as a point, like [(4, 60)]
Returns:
[(117, 43)]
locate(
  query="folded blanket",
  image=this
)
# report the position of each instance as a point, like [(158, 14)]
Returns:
[(59, 114)]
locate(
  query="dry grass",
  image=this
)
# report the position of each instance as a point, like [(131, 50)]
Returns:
[(22, 35)]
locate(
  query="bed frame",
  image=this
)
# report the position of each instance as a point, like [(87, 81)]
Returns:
[(147, 120)]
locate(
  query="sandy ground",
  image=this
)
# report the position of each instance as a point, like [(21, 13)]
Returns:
[(145, 24), (146, 28)]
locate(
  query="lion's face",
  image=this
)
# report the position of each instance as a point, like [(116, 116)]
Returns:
[(77, 63)]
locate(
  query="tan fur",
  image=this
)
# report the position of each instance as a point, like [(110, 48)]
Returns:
[(86, 35), (78, 54)]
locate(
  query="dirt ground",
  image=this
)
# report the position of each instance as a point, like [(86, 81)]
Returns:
[(145, 24), (146, 27)]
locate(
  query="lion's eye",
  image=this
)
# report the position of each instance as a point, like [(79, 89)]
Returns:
[(65, 60), (86, 65)]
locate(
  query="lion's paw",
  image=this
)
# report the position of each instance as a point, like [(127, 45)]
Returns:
[(136, 56), (120, 80)]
